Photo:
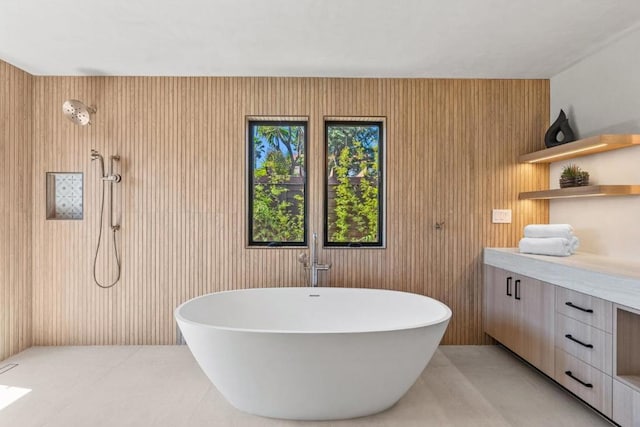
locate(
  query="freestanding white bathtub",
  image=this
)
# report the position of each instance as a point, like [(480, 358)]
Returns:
[(312, 353)]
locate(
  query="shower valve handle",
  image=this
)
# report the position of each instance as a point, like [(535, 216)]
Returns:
[(113, 178)]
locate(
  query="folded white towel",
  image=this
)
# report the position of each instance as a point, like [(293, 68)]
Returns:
[(549, 230), (575, 244), (555, 246)]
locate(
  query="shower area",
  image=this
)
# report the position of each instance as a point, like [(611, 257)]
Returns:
[(153, 217), (78, 243), (65, 193)]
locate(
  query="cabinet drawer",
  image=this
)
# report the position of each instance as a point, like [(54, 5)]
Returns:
[(586, 382), (589, 344), (587, 309), (626, 405)]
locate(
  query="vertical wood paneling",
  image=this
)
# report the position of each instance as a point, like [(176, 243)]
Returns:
[(452, 148), (16, 94)]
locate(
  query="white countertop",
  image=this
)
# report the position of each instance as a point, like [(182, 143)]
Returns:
[(600, 276)]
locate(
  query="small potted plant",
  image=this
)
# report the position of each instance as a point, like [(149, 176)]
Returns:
[(583, 178), (573, 176)]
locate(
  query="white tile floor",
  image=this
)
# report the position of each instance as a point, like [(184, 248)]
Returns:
[(163, 386)]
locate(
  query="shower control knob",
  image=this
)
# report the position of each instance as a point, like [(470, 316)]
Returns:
[(112, 178)]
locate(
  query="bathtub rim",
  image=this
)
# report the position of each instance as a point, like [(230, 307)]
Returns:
[(445, 318)]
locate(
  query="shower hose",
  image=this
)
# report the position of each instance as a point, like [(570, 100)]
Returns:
[(115, 245)]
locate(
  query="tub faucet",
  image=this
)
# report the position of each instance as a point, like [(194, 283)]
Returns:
[(315, 267)]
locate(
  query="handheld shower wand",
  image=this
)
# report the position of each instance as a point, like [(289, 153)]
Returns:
[(111, 179)]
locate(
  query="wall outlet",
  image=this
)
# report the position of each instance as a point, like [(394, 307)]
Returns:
[(501, 216)]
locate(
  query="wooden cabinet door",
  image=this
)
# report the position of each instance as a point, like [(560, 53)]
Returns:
[(535, 312), (499, 318), (519, 313)]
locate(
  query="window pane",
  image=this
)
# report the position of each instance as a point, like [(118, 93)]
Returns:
[(353, 194), (277, 205)]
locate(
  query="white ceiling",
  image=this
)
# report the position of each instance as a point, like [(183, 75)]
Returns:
[(338, 38)]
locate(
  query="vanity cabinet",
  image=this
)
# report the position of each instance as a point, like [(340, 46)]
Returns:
[(576, 319), (519, 313)]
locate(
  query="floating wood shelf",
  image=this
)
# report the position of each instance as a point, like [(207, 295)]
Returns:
[(581, 147), (586, 191)]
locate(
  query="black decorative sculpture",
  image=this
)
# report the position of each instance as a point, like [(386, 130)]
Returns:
[(560, 125)]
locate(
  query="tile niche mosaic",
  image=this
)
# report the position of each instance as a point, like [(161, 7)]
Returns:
[(64, 195)]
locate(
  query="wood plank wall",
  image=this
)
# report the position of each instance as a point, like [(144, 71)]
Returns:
[(452, 149), (16, 90)]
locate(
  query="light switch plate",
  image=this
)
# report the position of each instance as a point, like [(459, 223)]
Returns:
[(501, 216)]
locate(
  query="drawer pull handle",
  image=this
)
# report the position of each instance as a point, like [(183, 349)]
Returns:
[(570, 375), (517, 296), (578, 341), (586, 310), (509, 286)]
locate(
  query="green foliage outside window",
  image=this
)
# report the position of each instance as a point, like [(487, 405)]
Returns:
[(353, 207), (277, 176)]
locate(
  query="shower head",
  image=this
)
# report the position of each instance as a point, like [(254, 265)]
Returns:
[(77, 112)]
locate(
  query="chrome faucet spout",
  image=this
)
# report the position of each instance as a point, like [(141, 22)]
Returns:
[(315, 266)]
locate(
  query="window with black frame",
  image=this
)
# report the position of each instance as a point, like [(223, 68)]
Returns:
[(277, 183), (353, 208)]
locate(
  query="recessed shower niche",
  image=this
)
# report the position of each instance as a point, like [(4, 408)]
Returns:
[(64, 195)]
